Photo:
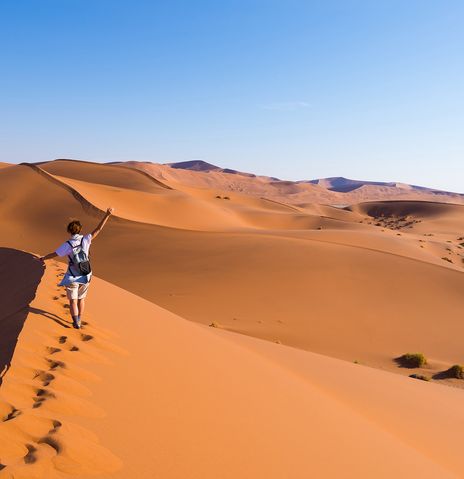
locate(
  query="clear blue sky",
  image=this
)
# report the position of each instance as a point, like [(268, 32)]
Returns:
[(295, 89)]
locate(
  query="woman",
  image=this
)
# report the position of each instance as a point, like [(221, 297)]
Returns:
[(75, 281)]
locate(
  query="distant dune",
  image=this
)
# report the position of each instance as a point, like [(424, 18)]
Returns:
[(296, 292), (329, 191)]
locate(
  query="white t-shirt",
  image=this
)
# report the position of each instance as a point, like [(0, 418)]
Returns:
[(65, 249)]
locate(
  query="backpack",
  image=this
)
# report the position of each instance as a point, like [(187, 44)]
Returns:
[(79, 260)]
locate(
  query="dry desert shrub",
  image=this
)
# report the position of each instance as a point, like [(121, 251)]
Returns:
[(412, 360), (455, 371)]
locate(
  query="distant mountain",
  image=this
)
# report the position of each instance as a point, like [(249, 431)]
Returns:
[(200, 165), (194, 165), (344, 185)]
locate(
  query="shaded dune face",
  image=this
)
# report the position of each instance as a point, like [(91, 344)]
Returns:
[(405, 208), (22, 275)]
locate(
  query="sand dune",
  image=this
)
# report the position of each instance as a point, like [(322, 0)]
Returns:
[(335, 191), (419, 216), (141, 387), (295, 287), (198, 402), (102, 174)]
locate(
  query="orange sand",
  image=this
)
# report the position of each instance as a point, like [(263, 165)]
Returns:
[(142, 392)]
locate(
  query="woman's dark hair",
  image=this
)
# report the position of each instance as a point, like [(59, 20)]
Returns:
[(74, 227)]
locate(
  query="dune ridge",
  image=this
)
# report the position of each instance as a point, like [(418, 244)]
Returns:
[(56, 166), (86, 205)]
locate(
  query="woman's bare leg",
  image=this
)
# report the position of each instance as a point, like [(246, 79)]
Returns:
[(81, 306), (73, 307)]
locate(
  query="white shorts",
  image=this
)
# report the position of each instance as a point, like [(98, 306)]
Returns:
[(77, 290)]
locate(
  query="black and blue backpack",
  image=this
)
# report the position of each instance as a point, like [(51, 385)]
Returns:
[(79, 261)]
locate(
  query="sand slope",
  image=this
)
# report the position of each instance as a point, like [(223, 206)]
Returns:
[(102, 174), (198, 402), (345, 293)]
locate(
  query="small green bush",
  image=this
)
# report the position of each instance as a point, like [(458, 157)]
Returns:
[(412, 360)]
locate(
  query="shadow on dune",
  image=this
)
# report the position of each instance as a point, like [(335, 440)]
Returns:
[(51, 316), (442, 375), (20, 274)]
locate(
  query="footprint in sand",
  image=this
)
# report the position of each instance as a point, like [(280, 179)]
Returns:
[(56, 426), (30, 457), (12, 414), (41, 396), (52, 350), (86, 337), (53, 443), (54, 365), (45, 377), (70, 347), (55, 298)]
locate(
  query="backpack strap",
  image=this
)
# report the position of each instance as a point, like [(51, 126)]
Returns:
[(72, 250), (78, 245)]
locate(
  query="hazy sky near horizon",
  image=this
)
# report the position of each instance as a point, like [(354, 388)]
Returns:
[(293, 89)]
